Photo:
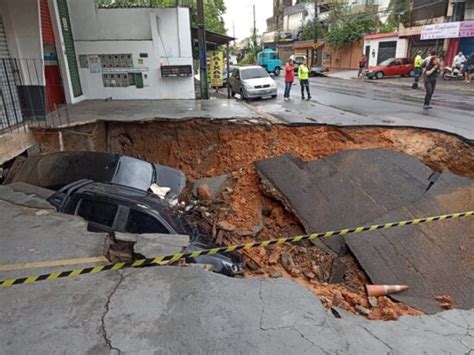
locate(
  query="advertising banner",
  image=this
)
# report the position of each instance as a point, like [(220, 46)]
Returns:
[(466, 29), (216, 68), (441, 31)]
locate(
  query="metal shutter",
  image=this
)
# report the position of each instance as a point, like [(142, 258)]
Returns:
[(3, 42), (69, 44)]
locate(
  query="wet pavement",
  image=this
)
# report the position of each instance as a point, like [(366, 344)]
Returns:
[(357, 103), (89, 111)]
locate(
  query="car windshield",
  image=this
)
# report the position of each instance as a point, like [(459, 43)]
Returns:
[(253, 73), (386, 62)]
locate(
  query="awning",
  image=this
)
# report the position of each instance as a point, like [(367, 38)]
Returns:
[(212, 37)]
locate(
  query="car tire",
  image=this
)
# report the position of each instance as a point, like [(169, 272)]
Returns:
[(242, 96), (379, 75), (276, 71), (274, 96)]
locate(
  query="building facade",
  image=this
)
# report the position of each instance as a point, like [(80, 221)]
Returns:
[(54, 52)]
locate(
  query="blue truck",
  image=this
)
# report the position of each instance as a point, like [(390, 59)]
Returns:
[(270, 60)]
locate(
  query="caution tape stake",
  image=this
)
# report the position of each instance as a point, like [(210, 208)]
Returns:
[(167, 259)]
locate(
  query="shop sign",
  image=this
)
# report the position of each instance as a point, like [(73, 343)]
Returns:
[(216, 68), (466, 29), (441, 31)]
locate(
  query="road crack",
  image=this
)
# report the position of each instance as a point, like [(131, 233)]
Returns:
[(105, 335), (376, 337)]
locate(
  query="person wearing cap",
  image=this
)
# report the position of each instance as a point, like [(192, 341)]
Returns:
[(303, 75)]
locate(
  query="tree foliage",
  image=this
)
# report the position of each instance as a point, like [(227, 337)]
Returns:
[(214, 10), (399, 12), (345, 27), (342, 26)]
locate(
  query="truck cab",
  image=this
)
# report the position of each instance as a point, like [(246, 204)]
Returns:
[(270, 60)]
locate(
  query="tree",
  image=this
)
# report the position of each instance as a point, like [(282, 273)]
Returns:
[(399, 12), (343, 26), (214, 10)]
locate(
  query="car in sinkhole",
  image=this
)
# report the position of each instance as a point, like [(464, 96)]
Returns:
[(56, 170), (112, 208)]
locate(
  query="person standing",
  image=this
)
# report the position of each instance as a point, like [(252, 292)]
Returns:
[(418, 69), (303, 75), (362, 65), (432, 71), (459, 60), (469, 68), (289, 78)]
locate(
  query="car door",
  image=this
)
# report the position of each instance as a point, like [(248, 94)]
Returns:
[(397, 68), (234, 80)]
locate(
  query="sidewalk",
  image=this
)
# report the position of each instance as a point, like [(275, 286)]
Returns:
[(452, 86)]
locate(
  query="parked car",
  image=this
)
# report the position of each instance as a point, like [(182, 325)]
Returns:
[(269, 59), (318, 71), (252, 82), (392, 67), (54, 171), (116, 208), (297, 61)]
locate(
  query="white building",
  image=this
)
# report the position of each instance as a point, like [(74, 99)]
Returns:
[(67, 51), (381, 46)]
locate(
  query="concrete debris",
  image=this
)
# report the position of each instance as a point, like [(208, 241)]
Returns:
[(344, 190), (375, 186), (226, 226), (214, 186), (203, 192), (152, 245)]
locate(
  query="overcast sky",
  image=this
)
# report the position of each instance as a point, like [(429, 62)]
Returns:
[(240, 12)]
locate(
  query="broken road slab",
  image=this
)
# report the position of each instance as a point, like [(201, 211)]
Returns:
[(345, 190), (433, 259)]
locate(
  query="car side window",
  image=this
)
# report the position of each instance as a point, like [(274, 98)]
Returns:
[(142, 223), (397, 62), (273, 56), (97, 212)]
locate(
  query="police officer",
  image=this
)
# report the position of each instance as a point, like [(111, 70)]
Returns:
[(418, 69)]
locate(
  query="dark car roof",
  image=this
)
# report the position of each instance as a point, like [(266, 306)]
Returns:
[(53, 171)]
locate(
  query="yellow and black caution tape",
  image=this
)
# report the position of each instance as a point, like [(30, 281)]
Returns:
[(168, 259)]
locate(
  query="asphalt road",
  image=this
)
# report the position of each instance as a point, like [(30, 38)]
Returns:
[(357, 103)]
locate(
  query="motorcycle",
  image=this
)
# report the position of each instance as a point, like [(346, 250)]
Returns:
[(453, 73)]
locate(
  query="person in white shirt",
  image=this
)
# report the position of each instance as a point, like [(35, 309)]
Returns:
[(459, 60)]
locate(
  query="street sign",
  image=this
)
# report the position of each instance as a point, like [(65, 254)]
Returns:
[(216, 68)]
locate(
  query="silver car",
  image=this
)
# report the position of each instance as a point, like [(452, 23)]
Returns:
[(252, 82)]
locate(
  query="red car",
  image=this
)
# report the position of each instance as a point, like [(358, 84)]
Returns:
[(392, 67)]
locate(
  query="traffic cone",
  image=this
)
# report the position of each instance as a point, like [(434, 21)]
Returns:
[(384, 290)]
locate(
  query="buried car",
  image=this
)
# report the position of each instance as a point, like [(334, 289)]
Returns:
[(252, 82), (115, 208), (56, 170)]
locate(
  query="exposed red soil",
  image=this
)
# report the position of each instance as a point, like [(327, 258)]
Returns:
[(206, 149)]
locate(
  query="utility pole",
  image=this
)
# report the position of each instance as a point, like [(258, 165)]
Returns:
[(202, 50), (315, 31), (255, 34)]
